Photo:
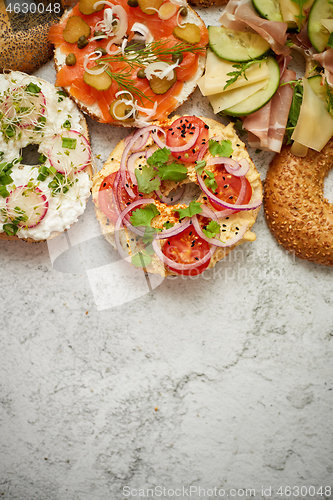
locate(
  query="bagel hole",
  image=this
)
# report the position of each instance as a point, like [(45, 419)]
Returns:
[(328, 186), (30, 155), (192, 193)]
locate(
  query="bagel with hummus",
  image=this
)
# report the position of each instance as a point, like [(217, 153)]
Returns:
[(140, 194), (46, 193), (129, 62), (297, 213)]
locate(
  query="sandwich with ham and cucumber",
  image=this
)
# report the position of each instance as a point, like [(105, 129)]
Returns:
[(129, 62), (247, 76)]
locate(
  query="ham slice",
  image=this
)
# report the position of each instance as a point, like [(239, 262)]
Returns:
[(241, 15), (267, 125), (325, 59)]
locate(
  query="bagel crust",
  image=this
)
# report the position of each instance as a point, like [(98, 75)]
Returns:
[(24, 44), (232, 222), (297, 213)]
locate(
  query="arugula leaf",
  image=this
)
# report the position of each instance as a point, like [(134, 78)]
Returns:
[(172, 171), (301, 16), (210, 181), (193, 209), (295, 109), (199, 166), (147, 180), (159, 157), (141, 259), (329, 97), (143, 216), (224, 148), (212, 229), (241, 71)]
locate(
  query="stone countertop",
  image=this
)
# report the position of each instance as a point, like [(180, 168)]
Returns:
[(220, 386)]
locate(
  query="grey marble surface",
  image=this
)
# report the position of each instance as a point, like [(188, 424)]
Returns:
[(114, 386)]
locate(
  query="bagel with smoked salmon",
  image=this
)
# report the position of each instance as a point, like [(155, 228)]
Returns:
[(43, 194), (129, 62), (297, 213), (176, 197)]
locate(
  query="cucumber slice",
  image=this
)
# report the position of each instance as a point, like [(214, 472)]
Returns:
[(318, 34), (268, 9), (319, 89), (236, 46), (260, 98)]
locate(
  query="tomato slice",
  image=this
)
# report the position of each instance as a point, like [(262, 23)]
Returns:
[(181, 131), (106, 196), (228, 188), (186, 248)]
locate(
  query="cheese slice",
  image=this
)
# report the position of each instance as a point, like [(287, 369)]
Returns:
[(328, 24), (290, 10), (216, 75), (225, 100), (315, 124)]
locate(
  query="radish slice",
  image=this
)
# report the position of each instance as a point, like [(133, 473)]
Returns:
[(30, 203), (24, 108), (70, 152)]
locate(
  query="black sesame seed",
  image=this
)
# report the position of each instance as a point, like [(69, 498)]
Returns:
[(207, 126), (196, 258)]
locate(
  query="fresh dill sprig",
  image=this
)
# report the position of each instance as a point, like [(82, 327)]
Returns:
[(137, 56), (124, 80), (241, 69)]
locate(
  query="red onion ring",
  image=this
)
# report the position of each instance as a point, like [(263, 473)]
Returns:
[(170, 200), (235, 206), (120, 220), (204, 148), (177, 149), (173, 231), (131, 164), (207, 212), (181, 267), (233, 167)]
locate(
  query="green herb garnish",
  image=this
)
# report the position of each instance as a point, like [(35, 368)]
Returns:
[(144, 216), (210, 180), (223, 149), (212, 229), (147, 180), (199, 166), (241, 69), (68, 143), (193, 209)]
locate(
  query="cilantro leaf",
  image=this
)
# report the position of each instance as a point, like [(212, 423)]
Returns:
[(199, 166), (159, 157), (141, 259), (210, 180), (143, 216), (149, 235), (212, 229), (224, 148), (172, 172), (147, 180), (193, 209), (168, 225)]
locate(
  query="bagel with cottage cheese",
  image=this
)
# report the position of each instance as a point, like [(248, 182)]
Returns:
[(297, 213), (129, 63), (44, 195), (24, 28), (176, 197)]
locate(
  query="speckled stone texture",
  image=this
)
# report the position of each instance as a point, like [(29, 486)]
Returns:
[(112, 384)]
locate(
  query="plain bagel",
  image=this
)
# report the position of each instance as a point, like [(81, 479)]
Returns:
[(44, 196), (297, 213), (233, 226)]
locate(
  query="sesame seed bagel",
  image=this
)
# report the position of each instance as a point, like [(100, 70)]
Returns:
[(297, 213), (24, 44), (104, 193)]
